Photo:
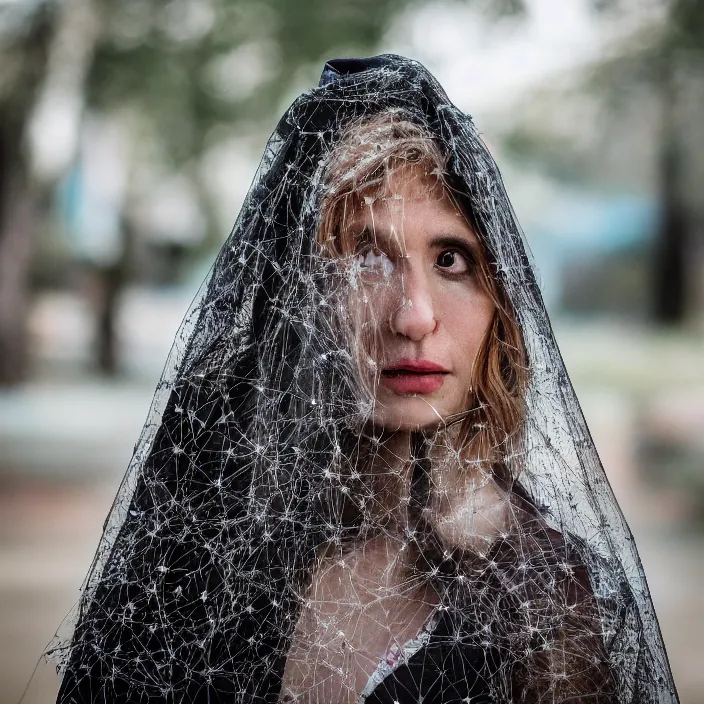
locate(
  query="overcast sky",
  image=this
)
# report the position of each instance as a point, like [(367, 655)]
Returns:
[(485, 64)]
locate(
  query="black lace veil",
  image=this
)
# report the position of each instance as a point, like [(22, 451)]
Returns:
[(250, 467)]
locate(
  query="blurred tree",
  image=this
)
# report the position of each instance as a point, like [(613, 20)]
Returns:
[(659, 70), (23, 48), (666, 60), (45, 49)]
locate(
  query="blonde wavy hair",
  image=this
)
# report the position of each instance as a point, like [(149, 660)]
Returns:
[(357, 169)]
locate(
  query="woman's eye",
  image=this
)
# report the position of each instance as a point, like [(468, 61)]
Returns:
[(453, 262), (373, 262)]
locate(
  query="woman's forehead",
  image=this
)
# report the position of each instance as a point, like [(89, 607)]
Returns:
[(408, 199), (392, 194), (407, 182)]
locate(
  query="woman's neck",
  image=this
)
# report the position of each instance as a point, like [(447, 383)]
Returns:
[(392, 474)]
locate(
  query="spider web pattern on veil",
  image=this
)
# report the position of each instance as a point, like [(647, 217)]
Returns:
[(251, 469)]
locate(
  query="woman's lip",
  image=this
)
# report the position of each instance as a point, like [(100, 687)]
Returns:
[(415, 365), (406, 382)]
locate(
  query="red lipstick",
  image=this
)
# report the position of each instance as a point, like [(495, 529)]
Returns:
[(408, 376)]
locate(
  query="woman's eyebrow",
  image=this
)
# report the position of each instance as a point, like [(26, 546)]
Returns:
[(456, 241), (379, 235)]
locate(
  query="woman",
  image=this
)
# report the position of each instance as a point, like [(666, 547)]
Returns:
[(366, 476)]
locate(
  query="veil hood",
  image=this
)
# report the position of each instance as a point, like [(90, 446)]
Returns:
[(242, 471)]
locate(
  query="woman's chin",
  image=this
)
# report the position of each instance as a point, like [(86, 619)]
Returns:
[(407, 413)]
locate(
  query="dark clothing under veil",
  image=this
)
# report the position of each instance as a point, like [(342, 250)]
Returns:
[(246, 468)]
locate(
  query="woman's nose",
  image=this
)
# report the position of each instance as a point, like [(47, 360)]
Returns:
[(414, 317)]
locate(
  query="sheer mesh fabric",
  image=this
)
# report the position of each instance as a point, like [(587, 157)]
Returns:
[(259, 469)]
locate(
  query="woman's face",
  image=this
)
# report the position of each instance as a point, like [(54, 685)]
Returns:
[(416, 296)]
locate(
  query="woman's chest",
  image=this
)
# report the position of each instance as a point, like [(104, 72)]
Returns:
[(357, 607)]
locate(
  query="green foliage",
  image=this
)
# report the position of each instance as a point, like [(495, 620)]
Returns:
[(687, 25), (506, 8), (552, 154), (190, 65)]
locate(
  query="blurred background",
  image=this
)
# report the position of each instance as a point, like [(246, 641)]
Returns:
[(129, 133)]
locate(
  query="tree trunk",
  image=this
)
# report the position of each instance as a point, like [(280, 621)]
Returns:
[(18, 222), (111, 281), (670, 266)]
